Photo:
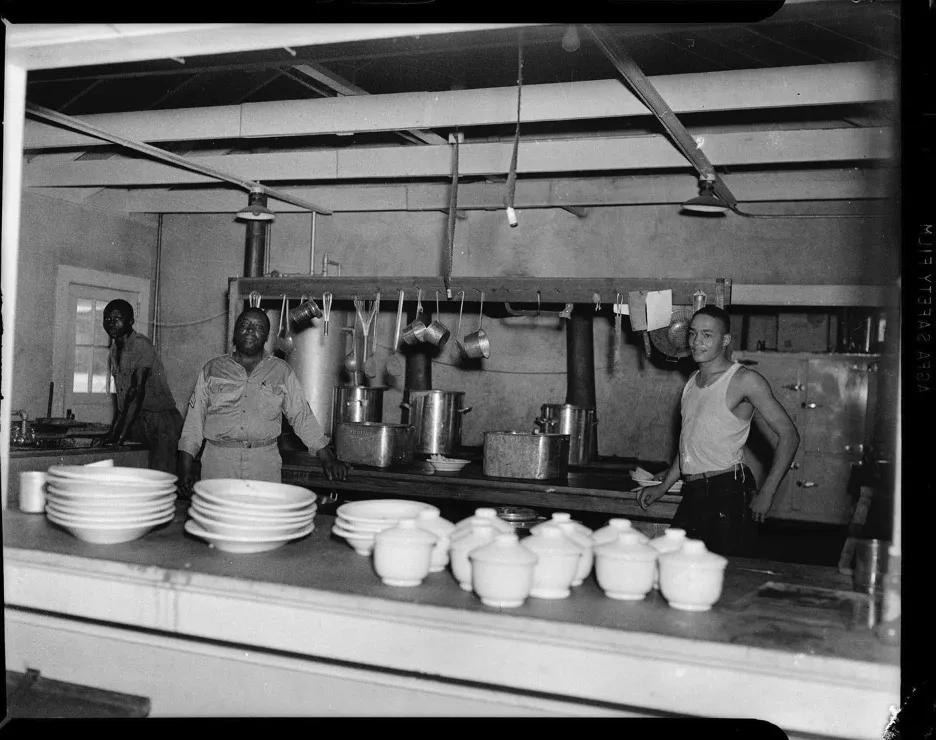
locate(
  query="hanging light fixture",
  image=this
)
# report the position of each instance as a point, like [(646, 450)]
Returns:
[(706, 201), (256, 209), (570, 40)]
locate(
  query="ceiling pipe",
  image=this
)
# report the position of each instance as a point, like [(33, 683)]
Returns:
[(169, 157)]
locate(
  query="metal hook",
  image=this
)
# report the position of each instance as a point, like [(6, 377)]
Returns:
[(597, 299), (538, 303)]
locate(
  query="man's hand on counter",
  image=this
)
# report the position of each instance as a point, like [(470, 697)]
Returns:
[(650, 495), (334, 468), (184, 469)]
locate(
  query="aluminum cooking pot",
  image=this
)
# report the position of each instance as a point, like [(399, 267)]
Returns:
[(437, 416)]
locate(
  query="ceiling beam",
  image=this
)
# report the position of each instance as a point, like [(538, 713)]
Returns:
[(569, 193), (758, 148), (343, 87), (750, 89), (48, 46)]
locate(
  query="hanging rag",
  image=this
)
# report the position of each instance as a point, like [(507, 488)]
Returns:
[(453, 206), (512, 175)]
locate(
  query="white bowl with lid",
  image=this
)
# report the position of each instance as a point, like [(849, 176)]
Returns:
[(581, 536), (433, 522), (481, 533), (614, 527), (481, 514), (692, 577), (502, 571), (670, 541), (403, 554), (625, 567), (557, 561)]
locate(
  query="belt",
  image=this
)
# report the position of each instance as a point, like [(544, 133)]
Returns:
[(244, 445), (699, 476)]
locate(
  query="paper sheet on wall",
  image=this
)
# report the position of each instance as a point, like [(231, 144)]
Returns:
[(659, 309)]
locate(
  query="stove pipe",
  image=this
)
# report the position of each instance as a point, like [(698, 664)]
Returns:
[(256, 239), (580, 360)]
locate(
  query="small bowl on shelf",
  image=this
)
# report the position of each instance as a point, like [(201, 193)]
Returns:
[(447, 465)]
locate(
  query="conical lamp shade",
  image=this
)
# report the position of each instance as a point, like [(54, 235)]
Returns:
[(256, 212), (706, 201)]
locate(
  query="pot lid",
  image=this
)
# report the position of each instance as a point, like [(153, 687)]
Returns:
[(627, 546), (504, 548), (549, 538), (406, 532), (614, 527), (694, 554), (516, 514)]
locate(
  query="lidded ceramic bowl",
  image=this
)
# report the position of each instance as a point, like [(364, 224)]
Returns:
[(670, 541), (483, 514), (403, 554), (480, 533), (625, 567), (691, 578), (581, 536), (614, 527), (502, 571), (433, 522), (564, 517), (557, 563)]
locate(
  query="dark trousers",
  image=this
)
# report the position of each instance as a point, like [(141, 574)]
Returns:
[(160, 431), (715, 510)]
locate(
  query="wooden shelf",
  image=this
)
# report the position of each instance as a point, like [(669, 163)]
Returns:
[(495, 289)]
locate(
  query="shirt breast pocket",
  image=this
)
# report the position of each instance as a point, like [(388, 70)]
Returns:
[(271, 402), (223, 395)]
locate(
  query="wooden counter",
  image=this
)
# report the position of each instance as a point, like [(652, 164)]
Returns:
[(608, 492), (309, 629)]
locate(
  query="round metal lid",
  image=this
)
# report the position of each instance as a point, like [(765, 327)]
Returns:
[(517, 514)]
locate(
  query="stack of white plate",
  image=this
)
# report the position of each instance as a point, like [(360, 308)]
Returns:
[(247, 516), (107, 505), (358, 522)]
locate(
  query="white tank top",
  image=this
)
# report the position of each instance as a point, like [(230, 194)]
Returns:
[(712, 437)]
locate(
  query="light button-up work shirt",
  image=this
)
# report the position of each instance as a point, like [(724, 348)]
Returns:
[(228, 405)]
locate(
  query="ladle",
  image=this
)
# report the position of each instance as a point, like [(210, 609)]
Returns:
[(326, 310), (284, 340), (370, 363), (394, 363)]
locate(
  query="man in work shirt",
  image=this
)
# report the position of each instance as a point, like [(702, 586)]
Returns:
[(720, 499), (237, 407), (146, 411)]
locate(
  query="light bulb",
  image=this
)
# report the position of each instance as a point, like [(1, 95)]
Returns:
[(570, 40)]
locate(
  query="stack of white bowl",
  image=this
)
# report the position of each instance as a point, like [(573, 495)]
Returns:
[(108, 505), (358, 522), (249, 516)]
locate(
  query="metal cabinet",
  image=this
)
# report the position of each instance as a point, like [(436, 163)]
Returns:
[(831, 399)]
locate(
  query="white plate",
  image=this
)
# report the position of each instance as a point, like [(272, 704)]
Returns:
[(128, 498), (361, 545), (243, 545), (112, 535), (227, 513), (448, 466), (365, 528), (108, 516), (107, 522), (345, 532), (254, 495), (109, 505), (67, 485), (247, 530), (112, 474), (378, 511)]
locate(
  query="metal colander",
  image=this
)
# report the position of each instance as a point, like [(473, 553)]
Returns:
[(673, 340)]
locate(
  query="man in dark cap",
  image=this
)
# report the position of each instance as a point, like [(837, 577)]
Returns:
[(146, 411), (237, 407)]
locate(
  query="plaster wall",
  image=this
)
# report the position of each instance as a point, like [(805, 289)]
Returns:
[(637, 398), (54, 232)]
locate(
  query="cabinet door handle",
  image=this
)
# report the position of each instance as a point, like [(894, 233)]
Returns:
[(810, 405), (806, 484), (854, 448), (795, 387)]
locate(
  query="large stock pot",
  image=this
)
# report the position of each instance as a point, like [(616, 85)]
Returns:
[(437, 416)]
